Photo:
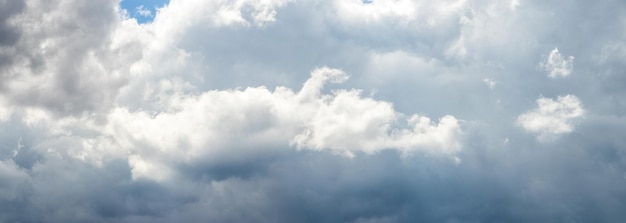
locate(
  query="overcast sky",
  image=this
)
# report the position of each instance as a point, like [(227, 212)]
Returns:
[(312, 111)]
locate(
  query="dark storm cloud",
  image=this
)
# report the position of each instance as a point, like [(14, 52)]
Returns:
[(321, 187), (57, 190), (8, 33)]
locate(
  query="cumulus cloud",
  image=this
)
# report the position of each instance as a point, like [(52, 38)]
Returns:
[(558, 65), (341, 124), (255, 120), (552, 117)]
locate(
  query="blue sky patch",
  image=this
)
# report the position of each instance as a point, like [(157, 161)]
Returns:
[(142, 10)]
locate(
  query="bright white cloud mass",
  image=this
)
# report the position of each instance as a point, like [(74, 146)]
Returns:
[(312, 111), (552, 117)]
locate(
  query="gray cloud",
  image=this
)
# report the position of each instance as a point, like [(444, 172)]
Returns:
[(65, 58), (8, 10), (318, 187), (9, 34)]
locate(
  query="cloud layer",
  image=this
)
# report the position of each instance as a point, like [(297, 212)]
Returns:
[(313, 111)]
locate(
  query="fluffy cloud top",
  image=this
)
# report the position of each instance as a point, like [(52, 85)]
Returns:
[(209, 126), (552, 117)]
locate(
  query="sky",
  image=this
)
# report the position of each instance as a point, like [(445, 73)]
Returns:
[(142, 10), (352, 111)]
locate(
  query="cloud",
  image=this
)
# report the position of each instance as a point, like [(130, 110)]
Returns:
[(241, 12), (15, 180), (552, 117), (490, 83), (50, 61), (558, 65), (9, 32), (208, 126), (142, 11), (215, 111)]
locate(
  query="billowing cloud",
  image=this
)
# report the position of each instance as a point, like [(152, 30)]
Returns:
[(552, 117), (54, 66), (206, 127)]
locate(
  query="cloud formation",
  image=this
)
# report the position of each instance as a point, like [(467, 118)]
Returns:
[(143, 11), (552, 117), (206, 127), (312, 111), (558, 65)]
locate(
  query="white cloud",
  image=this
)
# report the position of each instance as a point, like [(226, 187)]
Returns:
[(235, 124), (558, 65), (181, 15), (552, 117), (514, 4), (401, 11), (376, 10), (346, 122), (142, 11)]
